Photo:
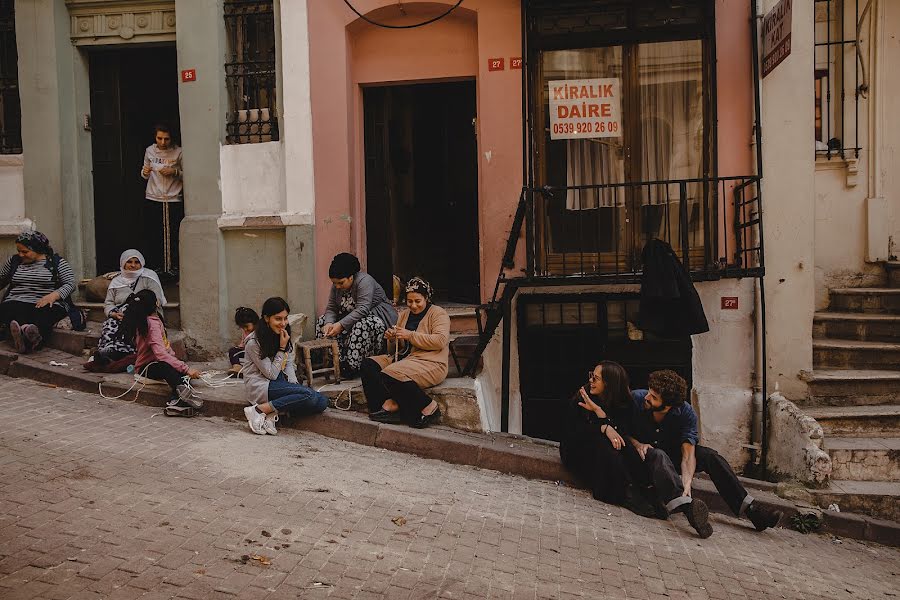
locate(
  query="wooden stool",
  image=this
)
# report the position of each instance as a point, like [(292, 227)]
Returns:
[(319, 344)]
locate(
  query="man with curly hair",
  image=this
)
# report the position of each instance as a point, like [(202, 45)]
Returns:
[(664, 435)]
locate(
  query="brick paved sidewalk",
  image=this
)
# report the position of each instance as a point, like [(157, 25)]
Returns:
[(108, 499)]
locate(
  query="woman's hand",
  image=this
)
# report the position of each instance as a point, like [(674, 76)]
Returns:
[(167, 171), (283, 339), (146, 171), (116, 315), (193, 373), (332, 329), (588, 404), (614, 438), (402, 334), (47, 300)]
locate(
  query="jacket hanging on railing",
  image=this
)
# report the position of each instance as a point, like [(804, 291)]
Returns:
[(670, 306)]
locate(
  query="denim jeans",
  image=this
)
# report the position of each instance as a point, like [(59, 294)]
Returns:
[(293, 398)]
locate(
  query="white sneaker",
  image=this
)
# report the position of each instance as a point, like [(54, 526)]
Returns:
[(269, 423), (255, 419)]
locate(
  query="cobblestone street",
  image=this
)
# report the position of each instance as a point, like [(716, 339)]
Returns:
[(108, 499)]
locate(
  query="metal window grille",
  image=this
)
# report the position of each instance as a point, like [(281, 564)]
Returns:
[(840, 79), (10, 108), (250, 72)]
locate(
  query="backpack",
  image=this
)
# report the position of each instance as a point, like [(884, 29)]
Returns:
[(52, 263)]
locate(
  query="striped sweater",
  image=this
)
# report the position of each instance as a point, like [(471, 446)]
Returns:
[(33, 281)]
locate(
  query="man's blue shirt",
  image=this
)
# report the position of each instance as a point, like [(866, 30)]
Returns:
[(678, 426)]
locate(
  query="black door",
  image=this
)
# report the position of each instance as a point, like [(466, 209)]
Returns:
[(422, 186), (131, 90)]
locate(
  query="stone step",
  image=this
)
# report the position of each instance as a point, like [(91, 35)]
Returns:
[(171, 312), (857, 421), (463, 318), (455, 396), (893, 272), (864, 459), (866, 300), (857, 326), (879, 499), (855, 354), (848, 387), (76, 342)]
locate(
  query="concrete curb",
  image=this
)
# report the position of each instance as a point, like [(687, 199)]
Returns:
[(499, 452)]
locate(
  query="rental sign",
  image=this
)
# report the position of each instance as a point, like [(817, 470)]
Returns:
[(776, 34), (585, 108)]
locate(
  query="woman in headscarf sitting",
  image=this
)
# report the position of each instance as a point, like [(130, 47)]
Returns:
[(417, 358), (40, 284), (358, 313), (132, 278)]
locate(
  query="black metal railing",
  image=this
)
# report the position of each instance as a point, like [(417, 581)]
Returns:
[(590, 231), (250, 72), (838, 85)]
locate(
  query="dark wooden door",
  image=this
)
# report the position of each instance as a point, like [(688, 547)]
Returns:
[(422, 186), (131, 90)]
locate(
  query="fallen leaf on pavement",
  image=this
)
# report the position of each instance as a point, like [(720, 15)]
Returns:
[(399, 521)]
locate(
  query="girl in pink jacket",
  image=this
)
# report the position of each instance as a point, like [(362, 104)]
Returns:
[(155, 358)]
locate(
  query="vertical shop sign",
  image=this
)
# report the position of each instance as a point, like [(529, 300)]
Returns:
[(776, 32), (585, 108)]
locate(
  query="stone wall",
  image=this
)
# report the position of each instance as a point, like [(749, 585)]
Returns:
[(795, 444)]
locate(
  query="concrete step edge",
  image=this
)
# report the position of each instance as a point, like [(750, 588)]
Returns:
[(873, 291), (844, 443), (841, 344), (844, 375), (505, 453), (852, 412), (836, 316)]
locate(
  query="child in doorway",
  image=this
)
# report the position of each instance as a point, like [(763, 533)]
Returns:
[(155, 358), (246, 319)]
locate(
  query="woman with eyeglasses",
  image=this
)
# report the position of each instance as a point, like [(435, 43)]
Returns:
[(596, 424)]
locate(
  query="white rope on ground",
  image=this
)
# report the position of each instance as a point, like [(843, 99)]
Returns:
[(335, 401), (143, 373), (210, 378)]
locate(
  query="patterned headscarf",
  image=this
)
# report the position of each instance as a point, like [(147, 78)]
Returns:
[(417, 284), (36, 241)]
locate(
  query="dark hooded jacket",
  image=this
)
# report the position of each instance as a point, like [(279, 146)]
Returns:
[(670, 306)]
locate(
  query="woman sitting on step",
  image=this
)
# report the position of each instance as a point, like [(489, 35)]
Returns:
[(358, 313), (418, 349), (40, 284), (132, 278), (270, 377), (142, 327)]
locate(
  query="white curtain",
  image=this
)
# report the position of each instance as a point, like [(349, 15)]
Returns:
[(671, 78)]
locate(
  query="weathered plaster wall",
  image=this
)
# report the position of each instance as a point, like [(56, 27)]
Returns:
[(264, 250), (723, 367), (252, 178), (788, 192)]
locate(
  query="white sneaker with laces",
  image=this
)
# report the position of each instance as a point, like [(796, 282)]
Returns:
[(269, 423), (255, 420)]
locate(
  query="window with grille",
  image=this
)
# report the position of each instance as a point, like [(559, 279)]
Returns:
[(250, 72), (10, 109), (840, 77)]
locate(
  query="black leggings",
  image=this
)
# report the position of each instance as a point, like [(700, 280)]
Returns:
[(26, 312), (162, 371), (602, 467), (379, 387)]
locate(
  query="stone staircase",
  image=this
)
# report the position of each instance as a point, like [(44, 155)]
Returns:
[(854, 394)]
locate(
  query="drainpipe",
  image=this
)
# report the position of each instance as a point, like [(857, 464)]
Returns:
[(760, 421)]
